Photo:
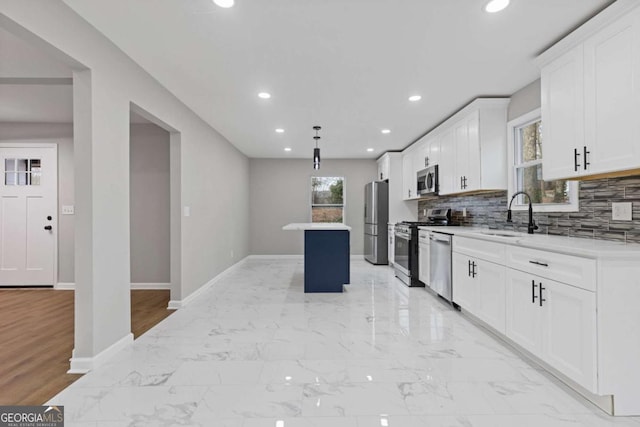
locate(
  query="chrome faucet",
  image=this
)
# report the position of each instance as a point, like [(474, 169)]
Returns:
[(532, 224)]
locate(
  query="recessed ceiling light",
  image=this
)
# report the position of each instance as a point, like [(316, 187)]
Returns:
[(287, 149), (280, 130), (370, 149), (224, 3), (264, 95), (386, 131), (414, 98), (496, 6)]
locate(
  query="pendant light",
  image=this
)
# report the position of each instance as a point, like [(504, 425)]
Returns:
[(316, 151)]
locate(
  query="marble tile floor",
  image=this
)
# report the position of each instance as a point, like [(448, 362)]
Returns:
[(255, 351)]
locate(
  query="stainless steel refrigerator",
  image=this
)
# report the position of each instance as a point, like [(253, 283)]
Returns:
[(376, 216)]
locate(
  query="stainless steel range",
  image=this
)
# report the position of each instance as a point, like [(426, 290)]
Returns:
[(406, 245)]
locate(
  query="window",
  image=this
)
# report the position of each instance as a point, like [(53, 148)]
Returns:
[(327, 199), (526, 150), (21, 171)]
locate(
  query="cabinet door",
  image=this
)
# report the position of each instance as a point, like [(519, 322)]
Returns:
[(467, 153), (569, 322), (464, 285), (491, 297), (562, 87), (612, 97), (461, 140), (423, 260), (391, 250), (409, 178), (433, 151), (524, 319), (447, 160)]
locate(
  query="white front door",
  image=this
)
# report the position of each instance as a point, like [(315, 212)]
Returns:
[(28, 221)]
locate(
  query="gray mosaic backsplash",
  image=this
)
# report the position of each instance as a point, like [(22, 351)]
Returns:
[(592, 221)]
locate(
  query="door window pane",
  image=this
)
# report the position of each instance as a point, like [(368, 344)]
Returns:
[(22, 171)]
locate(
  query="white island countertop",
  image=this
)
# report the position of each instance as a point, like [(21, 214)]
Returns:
[(298, 226)]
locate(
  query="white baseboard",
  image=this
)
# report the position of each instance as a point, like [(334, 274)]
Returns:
[(353, 257), (69, 286), (177, 304), (161, 286), (275, 257), (82, 365)]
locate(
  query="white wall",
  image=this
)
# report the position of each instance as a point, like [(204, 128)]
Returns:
[(281, 194), (214, 177), (525, 100)]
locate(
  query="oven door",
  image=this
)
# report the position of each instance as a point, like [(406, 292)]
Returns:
[(402, 249)]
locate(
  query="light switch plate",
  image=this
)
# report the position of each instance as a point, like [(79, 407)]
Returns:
[(67, 210), (622, 211)]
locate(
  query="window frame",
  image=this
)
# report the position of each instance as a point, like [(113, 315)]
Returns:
[(512, 128), (344, 199)]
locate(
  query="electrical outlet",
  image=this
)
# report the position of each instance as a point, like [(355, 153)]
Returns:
[(187, 211), (67, 210), (621, 211), (464, 212)]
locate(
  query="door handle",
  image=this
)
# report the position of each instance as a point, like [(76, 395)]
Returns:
[(584, 159), (48, 227), (575, 160), (533, 292), (469, 272), (541, 299), (473, 269)]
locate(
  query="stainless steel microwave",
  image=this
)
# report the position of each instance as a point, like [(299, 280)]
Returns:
[(428, 181)]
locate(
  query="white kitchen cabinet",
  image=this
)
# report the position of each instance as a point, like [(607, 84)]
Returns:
[(479, 279), (446, 165), (562, 112), (479, 288), (612, 97), (555, 322), (473, 148), (423, 256), (384, 165), (464, 287), (391, 252), (409, 176), (591, 97)]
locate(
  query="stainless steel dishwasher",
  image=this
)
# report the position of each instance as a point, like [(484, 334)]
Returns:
[(440, 264)]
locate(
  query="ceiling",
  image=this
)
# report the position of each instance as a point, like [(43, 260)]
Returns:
[(347, 65)]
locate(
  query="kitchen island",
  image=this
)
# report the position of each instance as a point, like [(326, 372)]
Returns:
[(326, 255)]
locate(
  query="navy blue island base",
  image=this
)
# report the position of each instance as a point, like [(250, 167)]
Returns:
[(326, 260)]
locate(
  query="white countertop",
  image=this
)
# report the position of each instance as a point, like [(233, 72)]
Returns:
[(316, 226), (590, 248)]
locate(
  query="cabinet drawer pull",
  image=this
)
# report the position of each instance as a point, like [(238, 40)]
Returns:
[(543, 264), (541, 299), (533, 291), (584, 159)]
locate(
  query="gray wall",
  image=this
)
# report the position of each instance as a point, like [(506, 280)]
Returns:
[(280, 192), (525, 100), (149, 205)]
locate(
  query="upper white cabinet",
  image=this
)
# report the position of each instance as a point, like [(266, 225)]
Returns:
[(384, 166), (409, 177), (591, 97), (472, 148)]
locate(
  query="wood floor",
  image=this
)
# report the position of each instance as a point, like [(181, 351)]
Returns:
[(36, 339)]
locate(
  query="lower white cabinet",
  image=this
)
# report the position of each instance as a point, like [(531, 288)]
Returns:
[(423, 256), (555, 322), (479, 288), (392, 248)]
